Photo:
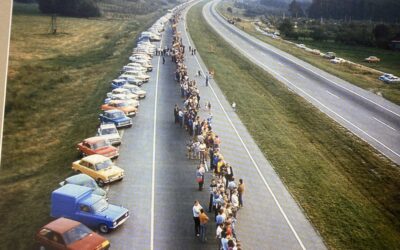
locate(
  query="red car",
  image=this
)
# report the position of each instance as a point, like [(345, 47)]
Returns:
[(69, 234), (98, 145)]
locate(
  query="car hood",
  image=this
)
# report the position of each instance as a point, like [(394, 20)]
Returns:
[(114, 170), (111, 136), (129, 109), (122, 119), (113, 212), (92, 241)]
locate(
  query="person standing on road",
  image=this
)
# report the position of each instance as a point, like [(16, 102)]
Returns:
[(203, 225), (234, 106), (200, 176), (240, 192), (206, 80), (196, 214), (163, 60), (212, 189), (176, 114)]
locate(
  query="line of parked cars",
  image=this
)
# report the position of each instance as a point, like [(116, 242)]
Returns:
[(80, 204)]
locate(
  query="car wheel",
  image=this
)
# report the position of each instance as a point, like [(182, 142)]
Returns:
[(103, 228), (100, 182)]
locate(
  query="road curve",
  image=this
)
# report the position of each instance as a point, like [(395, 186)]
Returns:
[(369, 116)]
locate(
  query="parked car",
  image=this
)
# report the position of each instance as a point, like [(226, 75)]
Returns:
[(117, 117), (330, 55), (144, 63), (120, 105), (136, 90), (123, 91), (134, 68), (123, 97), (117, 83), (66, 234), (80, 204), (110, 132), (85, 181), (100, 168), (97, 145), (139, 75), (337, 60), (389, 78), (131, 79), (372, 59), (301, 46)]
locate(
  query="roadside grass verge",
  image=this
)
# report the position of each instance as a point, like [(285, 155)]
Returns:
[(349, 191), (55, 87), (359, 76)]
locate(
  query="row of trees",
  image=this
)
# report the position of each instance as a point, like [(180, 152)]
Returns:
[(347, 33), (76, 8), (379, 10)]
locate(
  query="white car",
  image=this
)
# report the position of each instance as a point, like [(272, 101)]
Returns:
[(134, 68), (337, 60), (135, 90), (301, 46), (135, 56), (110, 132), (131, 79), (122, 97), (144, 63), (139, 75), (123, 91), (389, 78)]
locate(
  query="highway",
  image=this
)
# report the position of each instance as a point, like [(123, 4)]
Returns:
[(371, 117), (159, 187)]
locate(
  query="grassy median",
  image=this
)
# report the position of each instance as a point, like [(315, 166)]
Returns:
[(55, 87), (349, 191)]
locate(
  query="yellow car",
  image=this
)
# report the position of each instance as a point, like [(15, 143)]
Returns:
[(100, 168)]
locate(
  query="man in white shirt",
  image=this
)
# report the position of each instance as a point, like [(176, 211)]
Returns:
[(196, 214)]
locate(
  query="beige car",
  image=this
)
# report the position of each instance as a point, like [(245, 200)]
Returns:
[(100, 168), (372, 59)]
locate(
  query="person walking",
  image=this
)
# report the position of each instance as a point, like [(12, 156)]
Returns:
[(240, 192), (176, 114), (163, 60), (206, 80), (196, 214), (200, 176), (234, 106), (203, 224)]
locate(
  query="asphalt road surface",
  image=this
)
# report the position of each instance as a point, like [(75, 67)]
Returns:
[(159, 187), (369, 116)]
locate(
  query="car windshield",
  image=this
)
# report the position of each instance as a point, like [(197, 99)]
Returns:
[(122, 104), (99, 206), (103, 165), (100, 144), (76, 233), (109, 131), (117, 115)]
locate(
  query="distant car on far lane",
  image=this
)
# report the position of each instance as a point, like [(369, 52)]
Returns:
[(372, 59), (67, 234)]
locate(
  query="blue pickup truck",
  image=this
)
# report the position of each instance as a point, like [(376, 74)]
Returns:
[(80, 204)]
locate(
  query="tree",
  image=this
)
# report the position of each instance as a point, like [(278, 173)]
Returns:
[(382, 35), (286, 27), (295, 9)]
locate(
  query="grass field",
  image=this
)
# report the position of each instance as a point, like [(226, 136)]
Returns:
[(348, 190), (55, 87), (361, 77)]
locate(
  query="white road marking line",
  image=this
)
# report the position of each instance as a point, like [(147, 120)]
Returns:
[(249, 154), (333, 94), (384, 124), (313, 98), (254, 40), (280, 63), (153, 172), (300, 75)]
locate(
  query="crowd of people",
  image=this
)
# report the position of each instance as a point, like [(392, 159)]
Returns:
[(225, 192)]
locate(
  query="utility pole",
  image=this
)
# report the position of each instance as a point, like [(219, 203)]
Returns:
[(5, 31)]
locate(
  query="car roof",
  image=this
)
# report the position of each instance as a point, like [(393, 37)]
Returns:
[(95, 158), (79, 178), (92, 140), (62, 225), (116, 101), (108, 125), (119, 80)]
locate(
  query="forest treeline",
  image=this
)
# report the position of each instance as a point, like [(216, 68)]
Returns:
[(375, 10)]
